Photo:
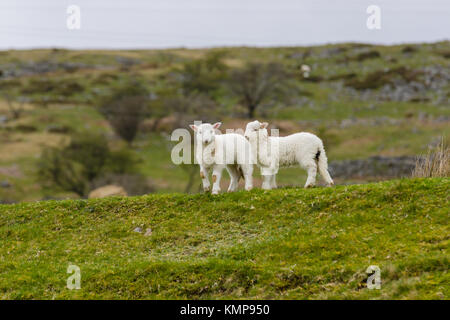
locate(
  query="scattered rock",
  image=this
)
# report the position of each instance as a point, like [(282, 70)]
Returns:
[(62, 129), (138, 230), (11, 171), (107, 191), (376, 166), (409, 50), (42, 67), (5, 184), (127, 62), (148, 232), (3, 120), (402, 84), (331, 52)]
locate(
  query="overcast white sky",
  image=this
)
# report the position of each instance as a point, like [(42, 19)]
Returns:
[(207, 23)]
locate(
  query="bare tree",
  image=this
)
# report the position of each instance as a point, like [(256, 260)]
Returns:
[(125, 109), (255, 83), (125, 116)]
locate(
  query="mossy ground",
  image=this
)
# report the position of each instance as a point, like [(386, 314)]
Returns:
[(289, 243)]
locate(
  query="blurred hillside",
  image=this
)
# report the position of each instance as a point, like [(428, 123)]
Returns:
[(72, 121)]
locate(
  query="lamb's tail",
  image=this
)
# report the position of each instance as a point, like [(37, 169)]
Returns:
[(322, 164)]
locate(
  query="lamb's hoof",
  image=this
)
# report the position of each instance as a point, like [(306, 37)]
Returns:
[(248, 188), (330, 184), (214, 192), (309, 186)]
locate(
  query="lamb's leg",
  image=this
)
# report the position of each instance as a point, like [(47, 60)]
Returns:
[(234, 177), (216, 176), (247, 171), (266, 185), (273, 181), (204, 177), (311, 168), (267, 174)]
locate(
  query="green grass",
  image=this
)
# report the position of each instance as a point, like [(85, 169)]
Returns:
[(283, 244)]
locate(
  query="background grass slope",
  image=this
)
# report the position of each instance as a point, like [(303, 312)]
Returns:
[(351, 100), (282, 244)]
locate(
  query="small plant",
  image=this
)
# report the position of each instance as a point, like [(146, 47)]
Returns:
[(435, 164)]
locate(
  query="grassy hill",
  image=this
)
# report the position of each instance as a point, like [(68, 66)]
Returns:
[(283, 244)]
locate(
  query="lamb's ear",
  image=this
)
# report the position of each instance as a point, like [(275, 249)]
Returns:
[(217, 125), (264, 125), (193, 127)]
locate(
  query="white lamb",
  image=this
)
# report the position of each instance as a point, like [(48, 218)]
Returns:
[(301, 148), (231, 151)]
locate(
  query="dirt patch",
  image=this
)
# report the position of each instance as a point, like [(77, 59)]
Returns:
[(4, 107), (27, 145), (12, 171)]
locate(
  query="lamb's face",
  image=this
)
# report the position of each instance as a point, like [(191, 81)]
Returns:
[(252, 128), (205, 132)]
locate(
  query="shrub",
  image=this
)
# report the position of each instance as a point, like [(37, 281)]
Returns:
[(74, 166), (435, 164), (64, 87), (56, 170), (445, 54), (204, 75), (367, 55), (91, 151), (409, 49), (25, 128), (121, 161)]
